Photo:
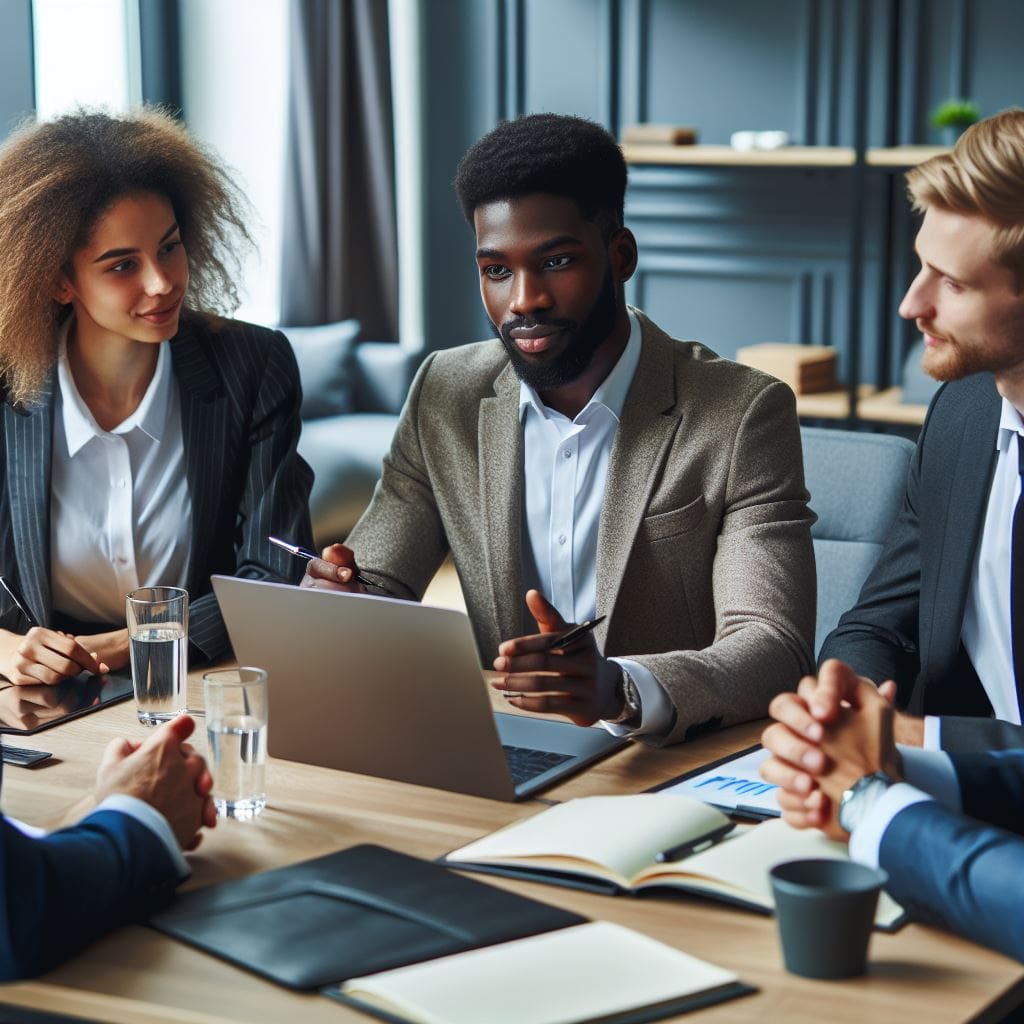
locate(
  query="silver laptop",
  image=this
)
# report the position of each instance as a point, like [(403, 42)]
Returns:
[(392, 689)]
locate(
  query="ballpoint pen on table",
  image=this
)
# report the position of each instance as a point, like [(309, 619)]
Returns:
[(684, 849), (299, 552)]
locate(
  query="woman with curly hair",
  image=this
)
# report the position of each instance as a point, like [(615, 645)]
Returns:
[(144, 440)]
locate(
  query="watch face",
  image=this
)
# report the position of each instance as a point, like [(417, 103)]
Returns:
[(860, 798)]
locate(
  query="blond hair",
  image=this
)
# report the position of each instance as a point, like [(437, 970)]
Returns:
[(59, 177), (983, 176)]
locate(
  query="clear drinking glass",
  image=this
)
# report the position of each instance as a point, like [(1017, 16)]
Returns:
[(158, 637), (236, 730)]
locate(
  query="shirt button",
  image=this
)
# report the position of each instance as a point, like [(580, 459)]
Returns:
[(562, 538), (567, 453), (121, 560), (122, 483)]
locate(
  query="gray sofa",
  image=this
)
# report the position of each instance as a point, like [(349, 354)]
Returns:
[(353, 391)]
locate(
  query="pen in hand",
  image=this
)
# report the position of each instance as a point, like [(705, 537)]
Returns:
[(299, 552), (19, 602), (572, 635)]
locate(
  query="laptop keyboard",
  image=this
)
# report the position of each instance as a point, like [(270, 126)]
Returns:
[(525, 764)]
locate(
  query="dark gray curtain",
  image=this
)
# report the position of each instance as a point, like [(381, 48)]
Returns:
[(339, 256)]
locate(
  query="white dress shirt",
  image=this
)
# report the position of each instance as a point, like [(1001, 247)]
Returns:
[(986, 632), (565, 469), (120, 510)]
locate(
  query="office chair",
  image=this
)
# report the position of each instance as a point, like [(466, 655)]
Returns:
[(857, 482)]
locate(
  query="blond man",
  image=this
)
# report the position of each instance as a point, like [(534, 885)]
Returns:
[(935, 615)]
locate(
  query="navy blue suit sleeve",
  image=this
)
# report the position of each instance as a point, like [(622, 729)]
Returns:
[(992, 787), (950, 870), (65, 890)]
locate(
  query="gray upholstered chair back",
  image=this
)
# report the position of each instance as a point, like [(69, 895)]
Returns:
[(857, 483)]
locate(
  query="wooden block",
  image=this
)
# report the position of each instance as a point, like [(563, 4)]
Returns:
[(807, 369), (658, 135)]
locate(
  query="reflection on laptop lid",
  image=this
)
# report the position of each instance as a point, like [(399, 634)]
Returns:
[(392, 689)]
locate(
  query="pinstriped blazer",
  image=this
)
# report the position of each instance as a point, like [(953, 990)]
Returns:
[(240, 399), (705, 568)]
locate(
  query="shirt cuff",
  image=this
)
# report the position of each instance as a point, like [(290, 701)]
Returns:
[(866, 838), (932, 733), (655, 707), (32, 831), (932, 771), (153, 820)]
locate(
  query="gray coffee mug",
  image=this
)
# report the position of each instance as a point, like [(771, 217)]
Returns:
[(825, 910)]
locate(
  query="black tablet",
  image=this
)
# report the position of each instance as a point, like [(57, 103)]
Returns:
[(29, 709)]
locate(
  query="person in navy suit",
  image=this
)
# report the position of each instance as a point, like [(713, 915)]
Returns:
[(934, 615), (948, 828), (119, 863), (144, 439)]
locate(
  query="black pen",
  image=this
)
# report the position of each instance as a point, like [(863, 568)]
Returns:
[(694, 845), (572, 635), (19, 601), (294, 549)]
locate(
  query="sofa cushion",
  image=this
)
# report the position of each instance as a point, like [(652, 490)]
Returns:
[(345, 453), (326, 367)]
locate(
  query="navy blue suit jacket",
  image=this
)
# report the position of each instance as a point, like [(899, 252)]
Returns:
[(963, 871), (240, 399), (907, 621), (65, 890)]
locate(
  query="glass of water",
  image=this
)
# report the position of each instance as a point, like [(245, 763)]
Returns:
[(158, 636), (236, 730)]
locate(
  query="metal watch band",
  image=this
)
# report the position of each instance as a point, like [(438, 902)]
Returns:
[(861, 797), (627, 692)]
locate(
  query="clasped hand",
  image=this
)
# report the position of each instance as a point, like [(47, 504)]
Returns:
[(575, 681), (835, 729)]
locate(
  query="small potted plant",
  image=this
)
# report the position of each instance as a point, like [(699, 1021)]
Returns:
[(953, 116)]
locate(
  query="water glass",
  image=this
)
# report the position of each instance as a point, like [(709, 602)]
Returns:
[(236, 731), (158, 637)]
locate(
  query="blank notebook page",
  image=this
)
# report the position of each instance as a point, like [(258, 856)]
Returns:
[(573, 974)]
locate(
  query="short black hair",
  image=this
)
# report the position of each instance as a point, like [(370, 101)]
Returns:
[(554, 153)]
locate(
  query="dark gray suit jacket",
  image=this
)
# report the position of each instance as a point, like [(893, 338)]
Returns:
[(907, 621), (705, 568), (240, 399)]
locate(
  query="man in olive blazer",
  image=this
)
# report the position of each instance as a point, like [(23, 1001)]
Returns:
[(705, 567), (585, 464)]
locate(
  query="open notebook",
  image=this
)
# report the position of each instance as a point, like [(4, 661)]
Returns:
[(592, 972), (611, 844)]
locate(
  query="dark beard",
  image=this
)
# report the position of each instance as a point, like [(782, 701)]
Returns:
[(585, 339)]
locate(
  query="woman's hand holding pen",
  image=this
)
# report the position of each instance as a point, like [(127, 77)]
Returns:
[(574, 681), (45, 656), (336, 569)]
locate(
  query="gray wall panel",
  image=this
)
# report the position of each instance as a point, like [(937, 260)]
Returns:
[(732, 256), (17, 87), (561, 36)]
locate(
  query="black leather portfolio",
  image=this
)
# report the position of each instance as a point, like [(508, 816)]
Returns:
[(355, 912)]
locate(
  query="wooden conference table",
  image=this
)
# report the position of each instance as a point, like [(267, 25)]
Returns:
[(136, 976)]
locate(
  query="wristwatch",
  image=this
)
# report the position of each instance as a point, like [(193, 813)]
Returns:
[(861, 797), (626, 691)]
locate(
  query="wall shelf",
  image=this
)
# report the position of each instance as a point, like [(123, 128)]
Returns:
[(902, 156), (726, 156)]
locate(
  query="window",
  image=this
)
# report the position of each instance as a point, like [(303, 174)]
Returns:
[(86, 54)]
